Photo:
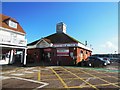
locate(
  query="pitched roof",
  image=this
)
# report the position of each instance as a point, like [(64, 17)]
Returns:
[(4, 18), (61, 38), (57, 38), (33, 43)]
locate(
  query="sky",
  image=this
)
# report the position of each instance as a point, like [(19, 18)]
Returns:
[(94, 22)]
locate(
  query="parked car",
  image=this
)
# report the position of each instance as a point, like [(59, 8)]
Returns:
[(107, 60), (114, 59), (93, 61)]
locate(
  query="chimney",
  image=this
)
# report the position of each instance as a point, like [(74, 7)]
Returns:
[(61, 27)]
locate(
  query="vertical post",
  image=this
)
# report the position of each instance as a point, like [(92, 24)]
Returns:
[(11, 57), (22, 57), (25, 51)]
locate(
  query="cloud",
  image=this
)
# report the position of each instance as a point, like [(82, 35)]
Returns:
[(110, 46)]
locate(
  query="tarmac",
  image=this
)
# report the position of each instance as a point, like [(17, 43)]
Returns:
[(60, 77)]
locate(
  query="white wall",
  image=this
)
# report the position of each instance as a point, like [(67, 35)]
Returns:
[(12, 37)]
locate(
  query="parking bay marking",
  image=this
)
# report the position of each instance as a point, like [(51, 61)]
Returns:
[(59, 78), (4, 77), (99, 78), (86, 81), (94, 85), (29, 80), (105, 74), (105, 84), (17, 74), (80, 79)]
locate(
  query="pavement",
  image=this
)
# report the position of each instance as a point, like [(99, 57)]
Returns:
[(60, 77)]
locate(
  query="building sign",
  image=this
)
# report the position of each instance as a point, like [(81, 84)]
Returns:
[(65, 45), (47, 49), (62, 52), (12, 24)]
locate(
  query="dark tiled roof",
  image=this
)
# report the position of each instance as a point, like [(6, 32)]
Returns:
[(33, 43), (61, 38), (4, 18), (57, 38)]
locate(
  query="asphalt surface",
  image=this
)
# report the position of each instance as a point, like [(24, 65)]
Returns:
[(52, 77)]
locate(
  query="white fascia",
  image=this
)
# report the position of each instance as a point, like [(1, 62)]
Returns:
[(83, 46), (7, 46), (35, 46), (49, 44), (12, 30), (40, 41), (31, 47)]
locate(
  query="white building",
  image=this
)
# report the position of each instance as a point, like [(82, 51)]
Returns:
[(12, 41)]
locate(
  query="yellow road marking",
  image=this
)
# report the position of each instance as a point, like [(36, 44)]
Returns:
[(49, 79), (88, 86), (105, 84), (39, 76), (106, 74), (81, 79), (64, 79), (64, 84), (46, 75), (99, 78)]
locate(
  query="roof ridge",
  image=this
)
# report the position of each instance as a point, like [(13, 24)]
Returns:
[(73, 38), (8, 16)]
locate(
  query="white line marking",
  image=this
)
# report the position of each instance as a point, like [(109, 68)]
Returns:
[(29, 68), (17, 74), (8, 72), (44, 69), (86, 81), (4, 77), (35, 70), (53, 67), (44, 84), (28, 72)]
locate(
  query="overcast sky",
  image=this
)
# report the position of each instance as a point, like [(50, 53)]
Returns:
[(95, 22)]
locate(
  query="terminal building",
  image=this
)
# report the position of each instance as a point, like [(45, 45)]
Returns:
[(57, 49), (13, 45)]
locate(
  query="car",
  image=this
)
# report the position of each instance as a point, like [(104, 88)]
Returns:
[(107, 60), (113, 59), (93, 61)]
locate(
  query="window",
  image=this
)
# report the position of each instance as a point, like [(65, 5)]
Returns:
[(81, 51), (12, 24)]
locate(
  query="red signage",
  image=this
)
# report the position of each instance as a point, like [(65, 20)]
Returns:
[(62, 52), (47, 49)]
